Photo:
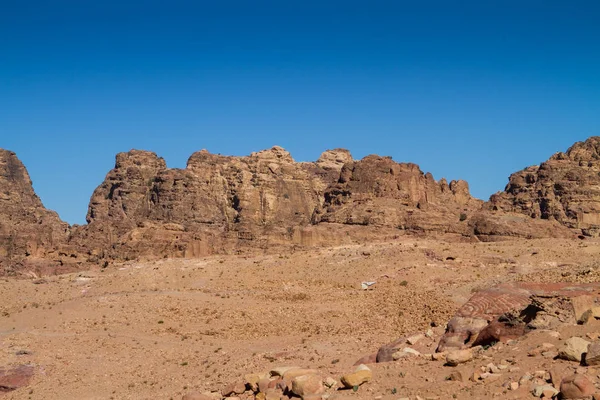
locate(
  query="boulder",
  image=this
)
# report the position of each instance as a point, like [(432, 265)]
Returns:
[(573, 349), (576, 387)]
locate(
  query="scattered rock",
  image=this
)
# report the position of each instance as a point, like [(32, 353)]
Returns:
[(593, 354), (305, 385), (15, 378), (196, 396), (234, 388), (576, 387), (362, 375), (573, 349), (544, 390), (457, 357), (455, 376)]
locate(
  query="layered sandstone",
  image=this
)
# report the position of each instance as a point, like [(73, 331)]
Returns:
[(216, 204), (221, 204), (378, 191), (566, 189), (28, 231)]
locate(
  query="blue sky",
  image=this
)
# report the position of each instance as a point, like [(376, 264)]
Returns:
[(470, 90)]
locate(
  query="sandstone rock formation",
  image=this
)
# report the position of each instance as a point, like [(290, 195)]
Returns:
[(28, 231), (566, 188), (216, 204), (222, 204), (378, 191)]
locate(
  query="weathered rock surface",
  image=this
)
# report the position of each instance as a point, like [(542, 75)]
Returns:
[(378, 191), (28, 231), (221, 204), (576, 387), (573, 349), (566, 188), (503, 312), (15, 378)]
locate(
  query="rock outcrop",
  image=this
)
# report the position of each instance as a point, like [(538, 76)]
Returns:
[(28, 231), (216, 204), (509, 310), (378, 191), (566, 189), (222, 204)]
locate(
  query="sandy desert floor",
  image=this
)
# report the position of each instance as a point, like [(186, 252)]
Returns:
[(158, 330)]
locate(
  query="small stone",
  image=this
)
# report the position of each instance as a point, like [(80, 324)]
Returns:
[(539, 390), (549, 393), (556, 375), (457, 357), (525, 379), (455, 376), (429, 334), (234, 388), (252, 381), (439, 356), (405, 353), (280, 371), (362, 375), (196, 396), (492, 368), (573, 349), (307, 385), (514, 386), (414, 339), (581, 306), (330, 382), (585, 317), (576, 386), (593, 354), (490, 377)]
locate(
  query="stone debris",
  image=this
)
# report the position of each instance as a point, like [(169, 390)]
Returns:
[(361, 375), (573, 349)]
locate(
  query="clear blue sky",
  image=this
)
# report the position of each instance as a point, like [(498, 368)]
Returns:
[(470, 90)]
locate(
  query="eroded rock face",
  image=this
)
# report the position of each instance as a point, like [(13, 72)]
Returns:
[(378, 191), (566, 188), (28, 231), (215, 204)]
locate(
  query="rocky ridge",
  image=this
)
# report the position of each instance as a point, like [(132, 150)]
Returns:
[(29, 233), (566, 188), (223, 205)]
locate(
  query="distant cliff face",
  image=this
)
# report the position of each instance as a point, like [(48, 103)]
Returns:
[(378, 191), (566, 188), (219, 203), (28, 231), (222, 204)]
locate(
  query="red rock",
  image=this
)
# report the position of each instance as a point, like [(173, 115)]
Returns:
[(576, 387), (506, 302), (15, 378)]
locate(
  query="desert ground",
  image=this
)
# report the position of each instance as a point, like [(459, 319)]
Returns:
[(161, 329)]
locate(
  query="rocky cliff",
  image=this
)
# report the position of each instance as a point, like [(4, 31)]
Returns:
[(378, 191), (566, 189), (28, 231), (215, 204), (223, 204)]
